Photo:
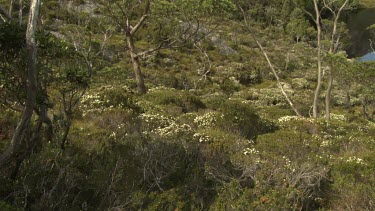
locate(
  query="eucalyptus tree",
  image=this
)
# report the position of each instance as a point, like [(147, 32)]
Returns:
[(31, 86), (337, 33), (174, 23), (315, 10)]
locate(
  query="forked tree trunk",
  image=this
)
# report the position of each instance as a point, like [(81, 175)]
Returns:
[(136, 65), (333, 49), (31, 84)]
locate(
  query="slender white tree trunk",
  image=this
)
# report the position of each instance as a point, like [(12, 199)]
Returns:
[(11, 7), (20, 4), (320, 72)]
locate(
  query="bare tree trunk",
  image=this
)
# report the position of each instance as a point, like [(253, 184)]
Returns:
[(136, 65), (11, 7), (20, 4), (365, 109), (31, 84), (43, 115), (347, 103), (328, 94), (320, 73), (32, 143), (48, 122), (333, 49), (66, 131)]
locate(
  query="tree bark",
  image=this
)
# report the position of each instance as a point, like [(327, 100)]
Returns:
[(48, 122), (31, 84), (66, 131), (328, 94), (43, 115), (35, 138), (332, 50), (11, 7), (136, 65), (365, 110), (320, 72), (20, 4)]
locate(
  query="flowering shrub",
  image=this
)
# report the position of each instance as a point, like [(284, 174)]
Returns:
[(339, 117), (265, 97), (288, 119), (107, 98), (209, 119), (245, 74), (200, 137)]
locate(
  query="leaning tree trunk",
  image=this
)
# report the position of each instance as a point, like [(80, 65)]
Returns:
[(31, 84), (279, 85), (3, 12), (136, 65)]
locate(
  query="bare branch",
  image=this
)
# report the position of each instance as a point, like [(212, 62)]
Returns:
[(3, 12), (304, 10), (279, 85), (139, 24)]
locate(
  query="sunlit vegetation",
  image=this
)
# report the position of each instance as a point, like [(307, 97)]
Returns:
[(210, 128)]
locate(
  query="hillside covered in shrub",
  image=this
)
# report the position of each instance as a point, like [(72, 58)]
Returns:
[(185, 105)]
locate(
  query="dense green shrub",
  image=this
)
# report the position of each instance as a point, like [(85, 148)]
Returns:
[(242, 118), (183, 99)]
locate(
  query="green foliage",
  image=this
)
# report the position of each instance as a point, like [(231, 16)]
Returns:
[(227, 141), (299, 27), (12, 67), (7, 207), (183, 99), (241, 118), (229, 86)]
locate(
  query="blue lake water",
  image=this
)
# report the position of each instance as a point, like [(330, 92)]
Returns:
[(368, 57)]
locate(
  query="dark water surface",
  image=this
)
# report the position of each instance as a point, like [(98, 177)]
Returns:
[(357, 23)]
